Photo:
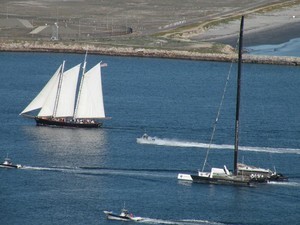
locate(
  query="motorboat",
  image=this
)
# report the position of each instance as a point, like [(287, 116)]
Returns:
[(145, 136), (146, 139), (8, 164), (123, 216)]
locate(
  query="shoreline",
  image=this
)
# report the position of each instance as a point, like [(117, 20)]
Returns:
[(55, 47), (210, 40), (265, 36)]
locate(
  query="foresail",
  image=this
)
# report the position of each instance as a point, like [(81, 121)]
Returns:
[(66, 100), (40, 99), (90, 99), (49, 104)]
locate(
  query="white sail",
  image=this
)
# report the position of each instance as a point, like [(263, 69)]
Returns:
[(90, 99), (67, 94), (40, 99), (62, 94), (49, 104)]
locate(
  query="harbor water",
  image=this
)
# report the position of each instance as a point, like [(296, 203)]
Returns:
[(290, 48), (70, 176)]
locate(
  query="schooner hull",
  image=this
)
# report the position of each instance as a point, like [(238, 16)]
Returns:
[(58, 123), (56, 101)]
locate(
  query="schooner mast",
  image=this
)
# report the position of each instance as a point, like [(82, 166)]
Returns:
[(60, 79)]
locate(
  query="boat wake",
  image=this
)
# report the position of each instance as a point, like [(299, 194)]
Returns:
[(51, 169), (178, 222), (186, 144), (39, 168), (288, 184), (99, 171), (132, 172)]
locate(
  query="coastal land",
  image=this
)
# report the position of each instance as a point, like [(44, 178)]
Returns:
[(193, 29)]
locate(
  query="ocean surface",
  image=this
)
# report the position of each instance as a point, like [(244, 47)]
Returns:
[(70, 176)]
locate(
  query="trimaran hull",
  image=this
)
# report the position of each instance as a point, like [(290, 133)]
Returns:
[(57, 123), (228, 181), (261, 175)]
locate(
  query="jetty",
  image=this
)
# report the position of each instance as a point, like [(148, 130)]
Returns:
[(25, 46)]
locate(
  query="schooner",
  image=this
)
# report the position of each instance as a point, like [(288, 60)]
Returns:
[(62, 104)]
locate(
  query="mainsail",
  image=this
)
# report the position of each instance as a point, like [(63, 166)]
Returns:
[(90, 98), (66, 101)]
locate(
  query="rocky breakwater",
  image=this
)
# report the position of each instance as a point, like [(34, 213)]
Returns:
[(25, 46)]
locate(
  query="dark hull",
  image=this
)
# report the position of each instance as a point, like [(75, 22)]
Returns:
[(257, 176), (278, 177), (8, 166), (57, 123), (223, 181)]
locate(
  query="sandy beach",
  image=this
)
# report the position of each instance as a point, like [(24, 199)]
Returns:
[(268, 28)]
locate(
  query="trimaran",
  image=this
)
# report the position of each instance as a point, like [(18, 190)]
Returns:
[(57, 99), (242, 174)]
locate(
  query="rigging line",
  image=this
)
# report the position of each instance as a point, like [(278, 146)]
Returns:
[(219, 111)]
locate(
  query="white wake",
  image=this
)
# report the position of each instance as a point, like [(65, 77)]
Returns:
[(187, 144), (288, 184), (178, 222), (103, 171)]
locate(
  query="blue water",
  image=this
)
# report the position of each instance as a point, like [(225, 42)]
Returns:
[(71, 175), (290, 48)]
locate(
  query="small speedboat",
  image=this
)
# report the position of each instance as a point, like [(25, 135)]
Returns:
[(123, 216), (8, 164), (146, 139), (145, 136)]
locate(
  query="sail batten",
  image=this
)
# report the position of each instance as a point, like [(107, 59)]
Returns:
[(90, 102)]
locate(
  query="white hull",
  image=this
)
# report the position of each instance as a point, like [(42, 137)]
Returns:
[(121, 217)]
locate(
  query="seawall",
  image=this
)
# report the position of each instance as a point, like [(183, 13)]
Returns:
[(143, 52)]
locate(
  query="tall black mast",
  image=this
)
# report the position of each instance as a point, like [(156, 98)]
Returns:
[(237, 114)]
